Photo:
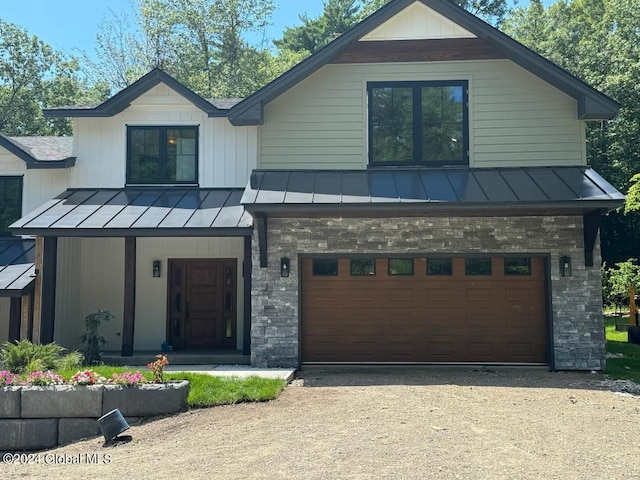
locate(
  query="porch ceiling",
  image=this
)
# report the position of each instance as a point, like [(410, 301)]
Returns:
[(17, 271), (140, 212)]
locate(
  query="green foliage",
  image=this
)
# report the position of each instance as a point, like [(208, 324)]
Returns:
[(25, 357), (633, 195), (598, 41), (208, 391), (32, 76), (91, 337), (70, 361), (617, 279)]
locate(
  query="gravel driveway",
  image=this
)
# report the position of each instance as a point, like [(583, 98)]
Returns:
[(405, 424)]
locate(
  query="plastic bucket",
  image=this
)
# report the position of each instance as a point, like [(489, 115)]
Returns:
[(112, 424)]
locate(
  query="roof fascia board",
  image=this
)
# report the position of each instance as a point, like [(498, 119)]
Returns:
[(244, 112), (52, 164), (121, 100), (577, 207), (135, 232), (18, 151)]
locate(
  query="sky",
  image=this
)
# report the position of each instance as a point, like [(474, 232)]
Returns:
[(71, 25)]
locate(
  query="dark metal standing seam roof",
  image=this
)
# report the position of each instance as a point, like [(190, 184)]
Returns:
[(17, 271), (560, 188), (142, 212)]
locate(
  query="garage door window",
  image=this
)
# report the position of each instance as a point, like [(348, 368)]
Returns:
[(323, 267), (517, 266), (477, 266), (363, 267), (439, 266), (401, 266)]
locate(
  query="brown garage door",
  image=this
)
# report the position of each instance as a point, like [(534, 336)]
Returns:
[(455, 310)]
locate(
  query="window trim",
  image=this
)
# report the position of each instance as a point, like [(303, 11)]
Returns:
[(325, 259), (417, 120), (8, 232), (413, 267), (163, 153), (372, 259)]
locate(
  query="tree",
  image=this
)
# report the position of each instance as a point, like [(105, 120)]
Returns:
[(32, 76), (599, 42), (202, 43), (315, 33), (492, 11)]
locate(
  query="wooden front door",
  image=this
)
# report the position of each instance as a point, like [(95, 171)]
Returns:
[(202, 303)]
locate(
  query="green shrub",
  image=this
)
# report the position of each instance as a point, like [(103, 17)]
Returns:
[(91, 337), (70, 361), (25, 357)]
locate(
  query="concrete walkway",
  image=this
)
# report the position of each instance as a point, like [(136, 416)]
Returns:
[(241, 371)]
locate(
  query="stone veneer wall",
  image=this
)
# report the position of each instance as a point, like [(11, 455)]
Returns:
[(578, 331)]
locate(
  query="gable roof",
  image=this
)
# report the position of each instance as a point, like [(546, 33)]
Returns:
[(41, 152), (591, 104), (123, 99)]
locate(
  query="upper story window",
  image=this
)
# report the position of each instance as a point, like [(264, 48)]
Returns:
[(10, 202), (418, 123), (162, 155)]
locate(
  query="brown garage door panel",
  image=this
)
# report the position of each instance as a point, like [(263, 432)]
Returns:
[(423, 318)]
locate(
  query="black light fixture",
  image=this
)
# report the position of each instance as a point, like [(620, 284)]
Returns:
[(565, 266), (284, 266), (156, 268)]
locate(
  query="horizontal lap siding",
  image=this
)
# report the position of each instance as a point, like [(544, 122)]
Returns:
[(516, 119)]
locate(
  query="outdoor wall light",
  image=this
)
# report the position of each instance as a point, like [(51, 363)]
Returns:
[(284, 267), (156, 268), (565, 266)]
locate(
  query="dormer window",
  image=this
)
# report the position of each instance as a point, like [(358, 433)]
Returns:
[(418, 123), (162, 155)]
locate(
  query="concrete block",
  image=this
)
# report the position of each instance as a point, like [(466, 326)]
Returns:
[(62, 401), (146, 400), (10, 402), (28, 434), (74, 429)]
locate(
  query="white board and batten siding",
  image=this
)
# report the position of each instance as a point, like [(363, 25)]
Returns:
[(515, 118), (91, 277), (417, 21), (227, 154), (38, 186)]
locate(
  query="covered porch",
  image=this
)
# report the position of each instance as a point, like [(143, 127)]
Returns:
[(172, 264)]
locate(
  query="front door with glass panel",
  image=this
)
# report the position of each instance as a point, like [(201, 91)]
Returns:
[(202, 303)]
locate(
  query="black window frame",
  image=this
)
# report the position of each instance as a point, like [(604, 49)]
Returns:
[(325, 260), (367, 259), (4, 230), (163, 153), (413, 267), (527, 261), (417, 122), (440, 259), (470, 273)]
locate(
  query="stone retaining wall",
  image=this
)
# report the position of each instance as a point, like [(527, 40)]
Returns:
[(35, 418)]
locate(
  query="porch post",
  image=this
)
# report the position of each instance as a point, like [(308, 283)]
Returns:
[(49, 270), (14, 319), (26, 324), (129, 314), (247, 271), (46, 259)]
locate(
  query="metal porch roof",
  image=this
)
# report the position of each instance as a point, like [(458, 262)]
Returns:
[(17, 271), (431, 190), (141, 212)]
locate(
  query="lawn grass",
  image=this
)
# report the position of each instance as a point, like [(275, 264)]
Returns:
[(206, 390), (627, 367)]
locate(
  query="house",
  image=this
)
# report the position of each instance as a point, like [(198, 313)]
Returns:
[(415, 192)]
